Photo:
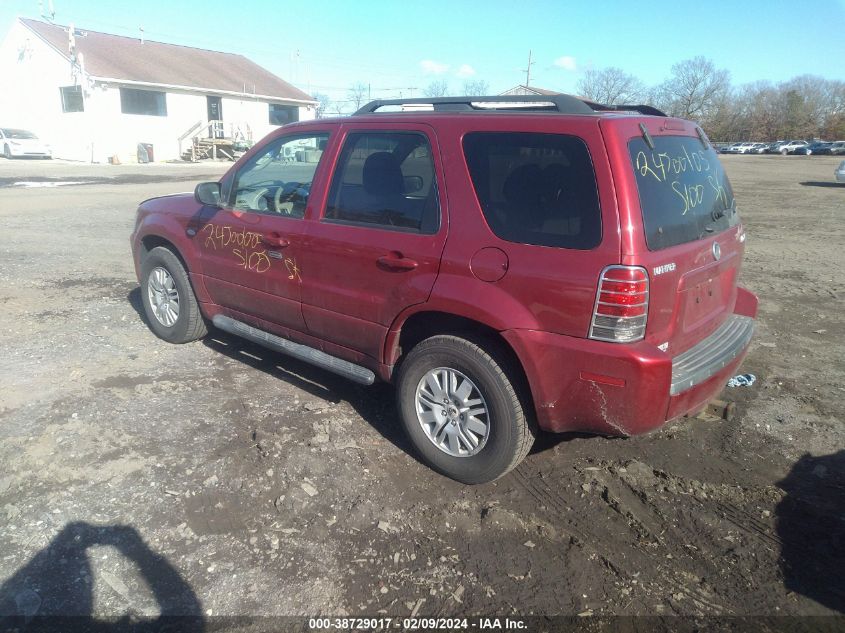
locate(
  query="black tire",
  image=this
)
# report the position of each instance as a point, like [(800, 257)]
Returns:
[(510, 431), (189, 324)]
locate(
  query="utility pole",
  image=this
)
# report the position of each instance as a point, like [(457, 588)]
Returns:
[(528, 71)]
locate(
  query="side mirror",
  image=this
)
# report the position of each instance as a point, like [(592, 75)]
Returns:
[(208, 193)]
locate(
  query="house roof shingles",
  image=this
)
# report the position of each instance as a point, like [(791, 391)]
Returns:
[(128, 59)]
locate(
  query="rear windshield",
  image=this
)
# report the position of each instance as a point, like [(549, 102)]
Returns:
[(684, 192), (535, 188)]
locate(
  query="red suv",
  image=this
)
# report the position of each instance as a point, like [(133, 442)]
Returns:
[(508, 262)]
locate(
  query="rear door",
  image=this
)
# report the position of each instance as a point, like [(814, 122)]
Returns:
[(376, 247), (251, 248), (687, 230)]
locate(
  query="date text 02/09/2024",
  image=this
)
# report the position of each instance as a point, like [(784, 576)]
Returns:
[(416, 624)]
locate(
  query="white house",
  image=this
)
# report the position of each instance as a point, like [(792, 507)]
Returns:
[(95, 96)]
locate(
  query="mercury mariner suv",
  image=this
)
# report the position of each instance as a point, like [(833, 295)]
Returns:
[(511, 264)]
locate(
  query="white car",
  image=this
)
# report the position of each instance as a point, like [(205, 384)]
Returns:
[(840, 172), (744, 148), (788, 148), (21, 143)]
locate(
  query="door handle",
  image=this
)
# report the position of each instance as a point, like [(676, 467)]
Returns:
[(395, 261), (275, 240)]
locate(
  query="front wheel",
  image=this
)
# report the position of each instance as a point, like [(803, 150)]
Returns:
[(169, 301), (7, 153), (460, 407)]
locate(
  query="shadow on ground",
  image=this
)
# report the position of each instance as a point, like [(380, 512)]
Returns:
[(375, 404), (55, 590), (811, 525), (822, 183)]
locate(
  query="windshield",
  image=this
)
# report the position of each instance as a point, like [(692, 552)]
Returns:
[(10, 133), (684, 192)]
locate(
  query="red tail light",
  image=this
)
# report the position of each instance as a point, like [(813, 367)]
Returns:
[(621, 307)]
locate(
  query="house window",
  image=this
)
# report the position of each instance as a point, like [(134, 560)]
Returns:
[(282, 114), (72, 99), (134, 101)]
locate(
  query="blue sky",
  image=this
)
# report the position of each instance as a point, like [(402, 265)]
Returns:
[(399, 48)]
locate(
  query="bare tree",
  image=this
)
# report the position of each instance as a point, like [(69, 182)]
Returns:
[(476, 88), (612, 86), (437, 89), (337, 108), (357, 93), (323, 103), (694, 88)]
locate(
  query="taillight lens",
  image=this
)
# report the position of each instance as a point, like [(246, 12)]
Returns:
[(621, 305)]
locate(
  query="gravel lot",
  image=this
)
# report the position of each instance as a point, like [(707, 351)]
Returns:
[(215, 478)]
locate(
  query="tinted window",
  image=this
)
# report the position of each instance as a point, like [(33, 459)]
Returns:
[(277, 180), (386, 179), (72, 99), (684, 192), (148, 102), (535, 188)]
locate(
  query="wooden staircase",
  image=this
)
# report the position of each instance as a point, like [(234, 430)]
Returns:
[(209, 140), (210, 148)]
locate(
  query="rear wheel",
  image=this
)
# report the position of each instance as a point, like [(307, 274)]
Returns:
[(460, 406), (783, 152), (169, 302), (7, 153)]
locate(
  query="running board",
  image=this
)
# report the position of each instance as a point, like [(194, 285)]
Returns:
[(356, 373)]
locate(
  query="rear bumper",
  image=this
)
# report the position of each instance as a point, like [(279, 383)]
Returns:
[(584, 385)]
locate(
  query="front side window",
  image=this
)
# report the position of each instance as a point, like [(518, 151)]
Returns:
[(385, 179), (282, 114), (147, 102), (277, 180), (72, 100), (535, 188)]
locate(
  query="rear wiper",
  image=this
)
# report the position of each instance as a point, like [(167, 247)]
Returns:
[(715, 216)]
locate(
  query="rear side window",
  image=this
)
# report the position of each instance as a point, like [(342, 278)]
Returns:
[(385, 179), (684, 192), (535, 188)]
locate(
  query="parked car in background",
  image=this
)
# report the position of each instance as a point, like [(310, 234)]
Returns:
[(839, 174), (812, 148), (790, 147), (774, 148), (22, 143), (744, 148), (833, 149), (757, 148)]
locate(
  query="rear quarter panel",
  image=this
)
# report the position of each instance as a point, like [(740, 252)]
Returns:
[(544, 288)]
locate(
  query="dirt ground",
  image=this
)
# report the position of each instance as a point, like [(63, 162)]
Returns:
[(216, 478)]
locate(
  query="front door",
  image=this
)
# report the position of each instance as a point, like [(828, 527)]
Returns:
[(252, 248), (215, 117), (376, 247)]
